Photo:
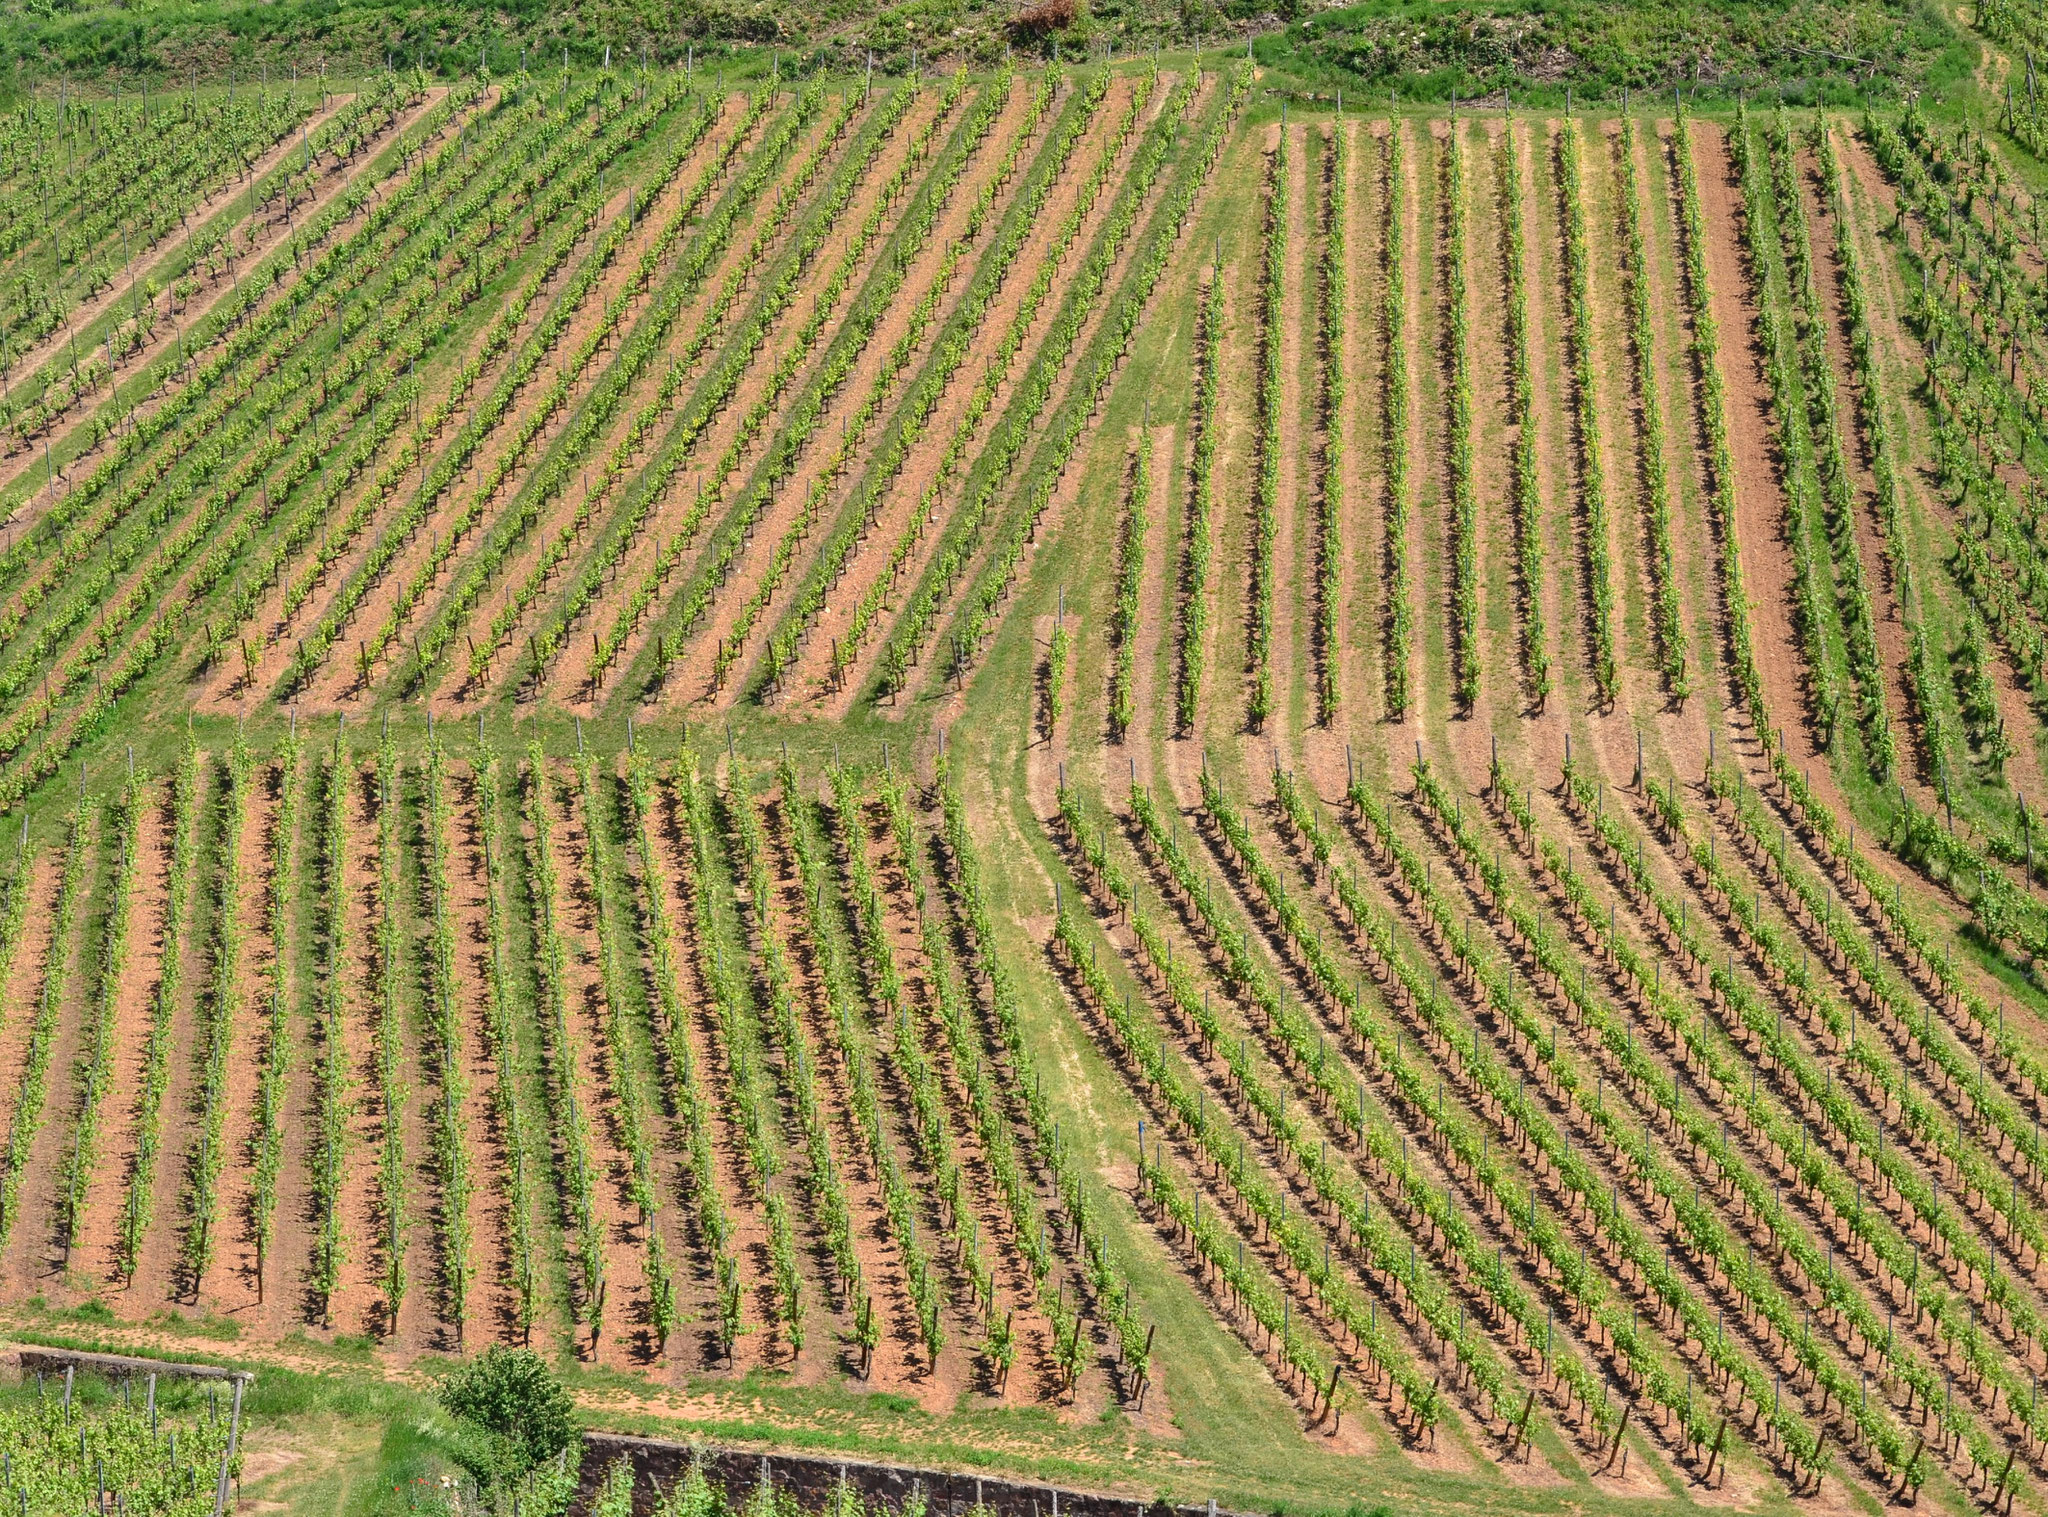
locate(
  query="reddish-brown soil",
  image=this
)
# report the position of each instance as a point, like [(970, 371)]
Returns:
[(340, 682), (862, 382), (810, 676)]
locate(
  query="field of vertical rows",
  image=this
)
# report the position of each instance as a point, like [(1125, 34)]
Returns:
[(1098, 739)]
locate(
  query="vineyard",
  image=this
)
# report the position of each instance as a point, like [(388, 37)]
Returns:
[(1337, 792)]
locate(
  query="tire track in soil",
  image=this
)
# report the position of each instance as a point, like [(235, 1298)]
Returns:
[(455, 684), (625, 1298), (789, 492), (195, 308), (809, 677), (99, 1233), (881, 1261), (340, 683), (947, 705), (669, 832), (372, 613), (229, 1283), (494, 1265), (861, 674), (33, 1254)]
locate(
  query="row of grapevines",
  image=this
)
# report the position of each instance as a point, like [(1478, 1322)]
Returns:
[(633, 517), (331, 1101), (1331, 323), (798, 1070), (35, 1069), (1130, 576), (1197, 539), (950, 351), (98, 1058), (1853, 1321), (1621, 1335), (854, 428), (947, 1000), (1373, 1239), (847, 1039), (393, 1093), (1713, 409), (1399, 618), (236, 326), (600, 408), (482, 422), (703, 254), (1664, 616), (1528, 504), (222, 1005), (505, 1083), (627, 1107), (266, 447), (1598, 550), (1258, 655), (966, 532), (1545, 1239), (277, 1035), (574, 165), (313, 648), (1458, 422), (953, 352), (1809, 1085), (1037, 1125), (452, 1164), (1838, 488), (1809, 603), (806, 414), (1269, 1304), (570, 1121), (1654, 1274), (904, 1054)]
